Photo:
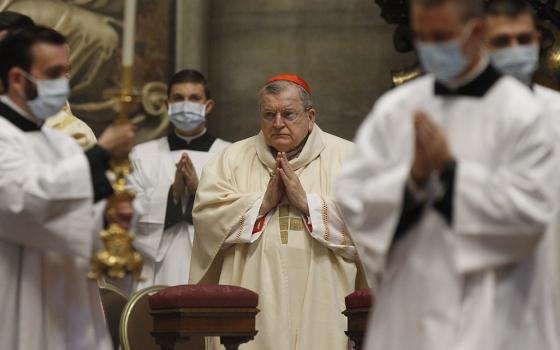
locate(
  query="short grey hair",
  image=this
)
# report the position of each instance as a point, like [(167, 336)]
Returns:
[(279, 86), (470, 9)]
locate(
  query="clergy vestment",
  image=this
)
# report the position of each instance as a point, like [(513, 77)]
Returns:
[(66, 122), (464, 263), (550, 101), (164, 233), (301, 267), (47, 238)]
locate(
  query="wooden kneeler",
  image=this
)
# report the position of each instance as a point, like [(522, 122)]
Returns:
[(358, 306), (186, 311)]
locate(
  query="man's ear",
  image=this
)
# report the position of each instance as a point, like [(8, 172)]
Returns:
[(311, 114), (210, 106), (16, 80)]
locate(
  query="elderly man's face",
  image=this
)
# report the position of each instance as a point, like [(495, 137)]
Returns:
[(284, 121)]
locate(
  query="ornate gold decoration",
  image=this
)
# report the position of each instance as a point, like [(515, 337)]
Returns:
[(405, 75), (284, 221), (548, 73), (344, 233), (241, 228), (118, 258), (325, 215), (296, 224)]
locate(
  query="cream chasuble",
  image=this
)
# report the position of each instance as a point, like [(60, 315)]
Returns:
[(66, 122), (301, 274)]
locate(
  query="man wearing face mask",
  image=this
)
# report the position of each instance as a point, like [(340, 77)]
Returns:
[(48, 187), (449, 195), (512, 38), (165, 178), (64, 120), (513, 42)]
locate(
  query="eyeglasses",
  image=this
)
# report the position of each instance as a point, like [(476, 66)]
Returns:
[(286, 115), (504, 40)]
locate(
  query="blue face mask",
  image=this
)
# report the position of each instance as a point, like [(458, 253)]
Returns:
[(186, 115), (520, 61), (446, 61), (51, 96)]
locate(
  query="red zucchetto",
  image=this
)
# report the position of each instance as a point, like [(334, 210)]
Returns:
[(291, 78)]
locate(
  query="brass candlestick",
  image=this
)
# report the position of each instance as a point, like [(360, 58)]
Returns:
[(119, 258)]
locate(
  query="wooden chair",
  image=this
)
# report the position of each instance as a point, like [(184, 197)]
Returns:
[(136, 324), (113, 301), (182, 312), (358, 306)]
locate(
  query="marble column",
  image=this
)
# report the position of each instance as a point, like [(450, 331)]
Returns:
[(192, 34)]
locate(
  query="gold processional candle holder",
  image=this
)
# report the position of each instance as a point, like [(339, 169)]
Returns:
[(118, 258)]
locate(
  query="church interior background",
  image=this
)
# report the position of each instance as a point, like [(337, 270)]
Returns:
[(350, 52), (343, 49)]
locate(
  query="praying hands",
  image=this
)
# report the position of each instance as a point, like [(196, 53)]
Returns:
[(284, 183), (186, 178), (431, 149)]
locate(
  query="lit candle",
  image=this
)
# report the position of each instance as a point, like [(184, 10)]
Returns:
[(129, 31)]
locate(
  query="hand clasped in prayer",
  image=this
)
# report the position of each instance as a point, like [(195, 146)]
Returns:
[(284, 183), (431, 148), (185, 177)]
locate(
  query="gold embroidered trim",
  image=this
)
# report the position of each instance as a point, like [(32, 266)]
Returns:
[(296, 224), (284, 211), (284, 237), (241, 227), (284, 223), (327, 234), (344, 232)]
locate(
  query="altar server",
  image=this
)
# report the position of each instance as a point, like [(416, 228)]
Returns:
[(449, 195), (47, 191), (165, 177)]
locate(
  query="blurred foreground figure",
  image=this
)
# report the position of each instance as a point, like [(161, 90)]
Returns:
[(48, 187), (512, 39), (64, 120), (449, 196)]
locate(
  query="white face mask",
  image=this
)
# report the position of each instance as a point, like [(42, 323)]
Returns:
[(446, 61), (186, 115), (519, 61), (52, 95)]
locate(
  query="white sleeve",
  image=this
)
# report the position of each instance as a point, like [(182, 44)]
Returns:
[(98, 220), (244, 231), (500, 215), (152, 202), (370, 187), (152, 197), (45, 205), (328, 227)]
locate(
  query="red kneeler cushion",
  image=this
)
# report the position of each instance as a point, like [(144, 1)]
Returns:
[(203, 296), (359, 299)]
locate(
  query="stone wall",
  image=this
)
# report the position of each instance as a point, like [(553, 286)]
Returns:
[(341, 47)]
